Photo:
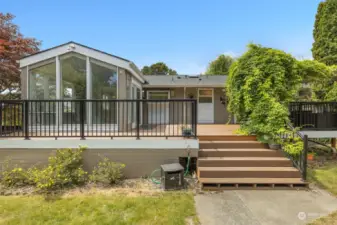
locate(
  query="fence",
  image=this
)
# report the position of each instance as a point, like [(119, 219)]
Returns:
[(314, 115)]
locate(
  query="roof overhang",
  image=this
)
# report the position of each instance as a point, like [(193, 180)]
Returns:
[(83, 50)]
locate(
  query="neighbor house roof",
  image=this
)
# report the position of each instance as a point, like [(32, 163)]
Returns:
[(84, 50), (185, 81)]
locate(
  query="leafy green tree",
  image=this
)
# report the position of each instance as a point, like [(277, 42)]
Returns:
[(260, 84), (316, 78), (220, 66), (158, 68), (325, 33)]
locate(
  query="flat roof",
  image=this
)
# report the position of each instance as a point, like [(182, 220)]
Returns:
[(185, 80)]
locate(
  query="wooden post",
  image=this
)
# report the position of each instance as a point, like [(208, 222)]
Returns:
[(333, 142)]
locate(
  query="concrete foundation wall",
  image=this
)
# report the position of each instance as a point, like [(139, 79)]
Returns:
[(139, 161)]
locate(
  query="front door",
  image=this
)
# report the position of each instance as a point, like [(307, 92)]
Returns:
[(158, 111), (205, 106)]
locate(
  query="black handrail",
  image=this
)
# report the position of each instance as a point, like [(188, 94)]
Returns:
[(299, 161), (98, 118)]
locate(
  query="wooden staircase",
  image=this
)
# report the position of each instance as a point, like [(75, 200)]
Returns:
[(229, 162)]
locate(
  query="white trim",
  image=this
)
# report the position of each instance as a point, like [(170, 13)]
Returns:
[(73, 47), (42, 63), (27, 84), (319, 134), (212, 102), (184, 115), (88, 84), (58, 118), (168, 91)]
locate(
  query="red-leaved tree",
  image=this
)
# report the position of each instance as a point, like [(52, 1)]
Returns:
[(13, 46)]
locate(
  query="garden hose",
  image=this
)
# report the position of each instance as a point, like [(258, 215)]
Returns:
[(154, 180)]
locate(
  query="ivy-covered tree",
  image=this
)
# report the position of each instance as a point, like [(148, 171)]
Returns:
[(260, 84), (220, 66), (158, 68), (325, 33)]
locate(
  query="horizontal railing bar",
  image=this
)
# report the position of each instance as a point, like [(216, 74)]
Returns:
[(103, 100)]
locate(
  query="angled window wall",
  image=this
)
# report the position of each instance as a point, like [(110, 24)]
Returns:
[(73, 76)]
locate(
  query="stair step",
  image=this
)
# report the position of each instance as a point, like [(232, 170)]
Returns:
[(251, 181), (227, 138), (248, 172), (244, 162), (248, 152), (230, 144)]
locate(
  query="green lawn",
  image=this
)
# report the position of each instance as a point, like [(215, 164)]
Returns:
[(326, 177), (167, 208)]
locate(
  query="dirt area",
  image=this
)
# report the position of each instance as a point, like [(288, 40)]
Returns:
[(130, 187)]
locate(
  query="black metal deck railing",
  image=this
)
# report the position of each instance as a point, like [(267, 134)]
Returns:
[(314, 115), (299, 160), (98, 118)]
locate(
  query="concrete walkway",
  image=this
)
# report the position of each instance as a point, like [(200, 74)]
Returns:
[(272, 207)]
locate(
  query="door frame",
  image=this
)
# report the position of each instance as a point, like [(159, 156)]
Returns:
[(212, 102), (137, 86), (169, 97)]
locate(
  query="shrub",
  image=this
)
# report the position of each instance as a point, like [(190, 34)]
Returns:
[(15, 177), (64, 169), (107, 172), (293, 147)]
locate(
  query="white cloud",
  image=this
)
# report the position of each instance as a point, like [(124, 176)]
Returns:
[(232, 54), (190, 68), (303, 57)]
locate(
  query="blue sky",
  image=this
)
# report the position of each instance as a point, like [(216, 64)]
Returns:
[(185, 34)]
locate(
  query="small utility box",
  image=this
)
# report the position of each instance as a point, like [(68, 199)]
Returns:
[(172, 176)]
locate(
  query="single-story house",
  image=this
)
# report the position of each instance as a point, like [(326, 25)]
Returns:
[(74, 91), (72, 71)]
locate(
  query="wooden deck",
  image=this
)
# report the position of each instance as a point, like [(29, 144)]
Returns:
[(217, 129), (160, 131)]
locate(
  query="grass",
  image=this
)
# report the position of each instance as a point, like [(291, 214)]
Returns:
[(166, 208), (327, 220), (325, 177)]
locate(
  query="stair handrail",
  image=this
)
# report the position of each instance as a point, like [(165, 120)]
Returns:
[(299, 161)]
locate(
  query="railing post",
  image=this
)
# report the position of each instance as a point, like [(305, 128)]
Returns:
[(300, 112), (305, 157), (138, 118), (82, 115), (1, 103), (26, 118)]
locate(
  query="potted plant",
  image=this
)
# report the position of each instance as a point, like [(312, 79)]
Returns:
[(186, 131), (274, 142), (310, 156)]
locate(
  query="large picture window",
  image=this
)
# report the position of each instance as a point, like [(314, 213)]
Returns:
[(42, 86), (73, 70), (73, 73), (42, 82), (104, 87)]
